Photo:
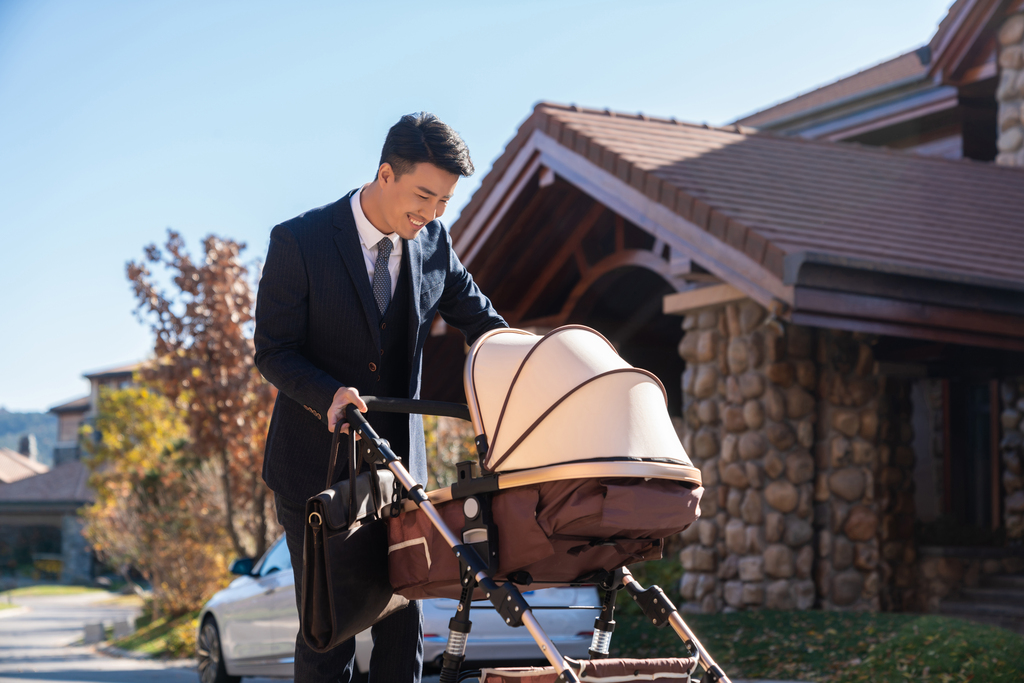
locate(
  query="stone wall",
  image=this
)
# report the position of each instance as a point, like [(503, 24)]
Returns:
[(941, 576), (1010, 93), (1011, 448), (849, 495), (749, 424)]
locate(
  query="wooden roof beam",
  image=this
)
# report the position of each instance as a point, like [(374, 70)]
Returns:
[(556, 263), (683, 303)]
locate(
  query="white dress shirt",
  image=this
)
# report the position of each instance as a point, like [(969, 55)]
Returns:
[(369, 236)]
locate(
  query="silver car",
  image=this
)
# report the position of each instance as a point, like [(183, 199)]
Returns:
[(249, 628)]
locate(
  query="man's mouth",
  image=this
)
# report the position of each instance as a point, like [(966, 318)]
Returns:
[(416, 222)]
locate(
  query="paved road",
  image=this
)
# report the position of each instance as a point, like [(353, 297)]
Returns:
[(37, 644)]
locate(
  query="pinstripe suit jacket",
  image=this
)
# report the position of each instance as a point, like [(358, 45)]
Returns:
[(317, 330)]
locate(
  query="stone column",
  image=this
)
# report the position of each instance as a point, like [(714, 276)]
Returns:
[(895, 492), (848, 457), (1011, 447), (749, 421), (1010, 93), (75, 551)]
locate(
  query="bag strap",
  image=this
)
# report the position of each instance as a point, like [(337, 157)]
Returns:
[(353, 473), (335, 442)]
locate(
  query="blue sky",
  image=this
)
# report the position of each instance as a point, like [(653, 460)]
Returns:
[(121, 119)]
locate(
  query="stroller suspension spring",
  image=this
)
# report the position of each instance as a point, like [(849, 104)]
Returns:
[(601, 643), (457, 643)]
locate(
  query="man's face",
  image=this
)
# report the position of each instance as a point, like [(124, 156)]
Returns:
[(415, 198)]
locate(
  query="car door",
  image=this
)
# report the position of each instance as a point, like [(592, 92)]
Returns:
[(281, 612), (249, 626)]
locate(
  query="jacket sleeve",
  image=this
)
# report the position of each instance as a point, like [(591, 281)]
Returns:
[(462, 304), (282, 312)]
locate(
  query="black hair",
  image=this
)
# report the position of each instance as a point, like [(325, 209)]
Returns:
[(424, 137)]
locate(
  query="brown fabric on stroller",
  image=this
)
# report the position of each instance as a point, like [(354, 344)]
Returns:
[(599, 671), (558, 532)]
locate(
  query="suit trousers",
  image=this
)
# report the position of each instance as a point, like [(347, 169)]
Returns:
[(397, 640)]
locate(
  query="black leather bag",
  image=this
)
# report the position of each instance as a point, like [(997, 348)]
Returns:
[(345, 585)]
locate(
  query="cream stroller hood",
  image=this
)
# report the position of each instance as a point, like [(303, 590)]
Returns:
[(565, 397)]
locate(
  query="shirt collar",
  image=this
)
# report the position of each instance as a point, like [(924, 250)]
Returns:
[(368, 234)]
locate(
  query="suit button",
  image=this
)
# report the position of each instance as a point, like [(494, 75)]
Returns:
[(373, 367), (382, 352), (383, 325)]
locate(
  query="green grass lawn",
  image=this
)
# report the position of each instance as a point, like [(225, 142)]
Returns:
[(165, 638), (837, 646), (47, 589), (7, 605)]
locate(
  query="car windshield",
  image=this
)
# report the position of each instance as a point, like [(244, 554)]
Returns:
[(276, 559)]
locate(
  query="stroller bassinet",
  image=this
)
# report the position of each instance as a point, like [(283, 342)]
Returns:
[(583, 468), (581, 473)]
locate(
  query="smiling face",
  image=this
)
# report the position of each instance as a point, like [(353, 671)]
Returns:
[(414, 198)]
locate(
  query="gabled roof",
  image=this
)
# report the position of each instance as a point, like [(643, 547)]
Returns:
[(121, 370), (763, 211), (79, 405), (14, 466), (66, 485)]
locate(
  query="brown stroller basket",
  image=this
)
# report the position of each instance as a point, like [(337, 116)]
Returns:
[(581, 474)]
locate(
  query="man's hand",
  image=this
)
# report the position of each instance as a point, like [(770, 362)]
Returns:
[(342, 397)]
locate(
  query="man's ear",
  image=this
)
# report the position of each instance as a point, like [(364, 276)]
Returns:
[(385, 174)]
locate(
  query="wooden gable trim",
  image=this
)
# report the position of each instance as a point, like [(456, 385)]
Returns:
[(680, 234), (953, 48)]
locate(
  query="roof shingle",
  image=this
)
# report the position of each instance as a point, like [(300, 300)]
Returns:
[(770, 196)]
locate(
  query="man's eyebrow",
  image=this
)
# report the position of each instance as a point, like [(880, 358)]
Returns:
[(432, 193)]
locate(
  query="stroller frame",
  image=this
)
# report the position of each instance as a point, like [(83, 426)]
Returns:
[(506, 598)]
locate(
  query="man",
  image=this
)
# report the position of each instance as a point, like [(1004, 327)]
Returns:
[(345, 304)]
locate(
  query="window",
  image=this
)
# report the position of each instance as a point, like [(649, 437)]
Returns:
[(276, 559)]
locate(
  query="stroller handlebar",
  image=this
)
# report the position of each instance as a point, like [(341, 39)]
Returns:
[(417, 407)]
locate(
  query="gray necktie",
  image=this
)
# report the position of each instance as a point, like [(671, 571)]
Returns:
[(381, 275)]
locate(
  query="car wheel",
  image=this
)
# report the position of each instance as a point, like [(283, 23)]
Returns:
[(211, 659)]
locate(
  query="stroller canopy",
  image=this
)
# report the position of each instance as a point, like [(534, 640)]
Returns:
[(565, 397)]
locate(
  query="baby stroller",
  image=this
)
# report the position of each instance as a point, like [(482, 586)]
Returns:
[(580, 474)]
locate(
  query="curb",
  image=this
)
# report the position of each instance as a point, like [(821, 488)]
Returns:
[(111, 651), (14, 612)]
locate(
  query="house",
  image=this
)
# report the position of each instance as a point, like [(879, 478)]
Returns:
[(73, 414), (839, 327), (39, 520)]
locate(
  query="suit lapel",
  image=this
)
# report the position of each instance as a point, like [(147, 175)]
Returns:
[(415, 259), (347, 240)]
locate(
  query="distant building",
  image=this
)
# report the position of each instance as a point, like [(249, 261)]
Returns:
[(39, 506), (73, 414), (16, 466)]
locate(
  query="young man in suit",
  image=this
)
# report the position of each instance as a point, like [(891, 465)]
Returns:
[(348, 293)]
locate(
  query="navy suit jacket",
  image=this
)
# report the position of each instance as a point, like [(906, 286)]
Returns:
[(317, 330)]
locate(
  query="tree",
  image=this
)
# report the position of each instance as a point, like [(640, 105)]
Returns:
[(448, 440), (150, 489), (204, 351)]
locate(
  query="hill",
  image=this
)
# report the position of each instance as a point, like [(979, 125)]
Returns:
[(15, 425)]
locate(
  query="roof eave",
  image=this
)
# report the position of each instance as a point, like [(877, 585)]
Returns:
[(889, 91)]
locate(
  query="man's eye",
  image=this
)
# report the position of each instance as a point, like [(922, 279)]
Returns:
[(422, 197)]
